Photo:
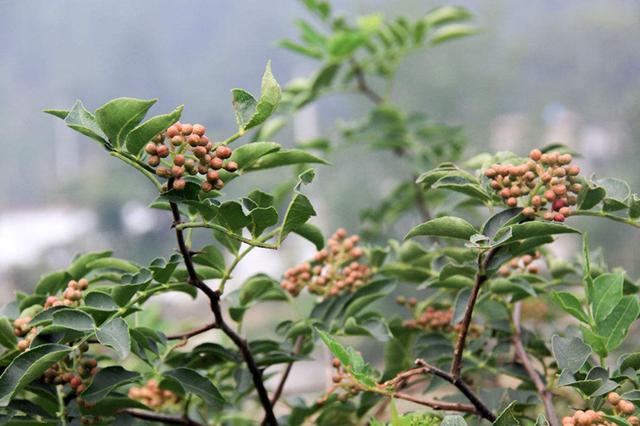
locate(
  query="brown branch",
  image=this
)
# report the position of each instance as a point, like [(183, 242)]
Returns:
[(546, 396), (191, 333), (481, 277), (363, 86), (214, 303), (437, 405), (297, 347), (462, 386), (160, 418)]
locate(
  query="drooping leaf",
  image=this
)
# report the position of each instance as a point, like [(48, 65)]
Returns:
[(284, 157), (298, 213), (312, 233), (82, 121)]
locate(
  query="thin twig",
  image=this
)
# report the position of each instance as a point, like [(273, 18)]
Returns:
[(297, 347), (462, 386), (214, 303), (627, 221), (363, 86), (191, 333), (546, 396), (160, 418), (481, 277), (437, 405)]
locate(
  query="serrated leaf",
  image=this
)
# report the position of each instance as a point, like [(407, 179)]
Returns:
[(446, 226), (119, 116), (115, 334), (107, 380), (250, 113), (27, 367), (140, 135)]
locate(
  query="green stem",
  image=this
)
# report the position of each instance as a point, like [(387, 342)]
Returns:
[(241, 255), (233, 137), (627, 221), (257, 243), (61, 414), (135, 164)]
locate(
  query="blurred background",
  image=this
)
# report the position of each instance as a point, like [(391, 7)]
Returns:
[(538, 72)]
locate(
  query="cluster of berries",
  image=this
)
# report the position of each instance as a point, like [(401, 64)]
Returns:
[(85, 369), (433, 319), (520, 265), (333, 270), (152, 396), (544, 178), (21, 328), (620, 406), (191, 153), (71, 296), (341, 381)]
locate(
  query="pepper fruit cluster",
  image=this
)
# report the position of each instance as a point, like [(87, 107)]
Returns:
[(341, 380), (546, 184), (71, 296), (621, 407), (21, 328), (520, 265), (191, 153), (334, 270), (152, 396)]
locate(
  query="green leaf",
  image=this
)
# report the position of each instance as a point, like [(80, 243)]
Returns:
[(119, 116), (210, 256), (113, 263), (311, 233), (140, 135), (7, 337), (284, 157), (107, 380), (446, 226), (536, 228), (60, 113), (261, 219), (570, 304), (506, 416), (505, 217), (570, 352), (298, 213), (350, 360), (245, 155), (616, 326), (634, 206), (78, 268), (607, 292), (73, 319), (453, 421), (27, 367), (301, 49), (590, 196), (52, 283), (115, 334), (446, 14), (192, 382), (344, 43), (372, 326), (452, 32), (462, 185), (82, 121), (244, 105), (250, 113), (260, 287)]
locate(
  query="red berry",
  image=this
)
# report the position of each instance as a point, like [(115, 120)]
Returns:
[(187, 129), (150, 148), (223, 152), (162, 151), (558, 217), (198, 129), (179, 160), (212, 176), (535, 154), (179, 184), (558, 204), (231, 166), (172, 131)]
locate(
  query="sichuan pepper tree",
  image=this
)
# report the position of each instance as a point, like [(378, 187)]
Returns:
[(459, 345)]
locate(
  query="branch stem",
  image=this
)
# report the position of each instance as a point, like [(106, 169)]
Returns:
[(214, 303), (215, 226), (626, 221), (161, 418), (545, 394)]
